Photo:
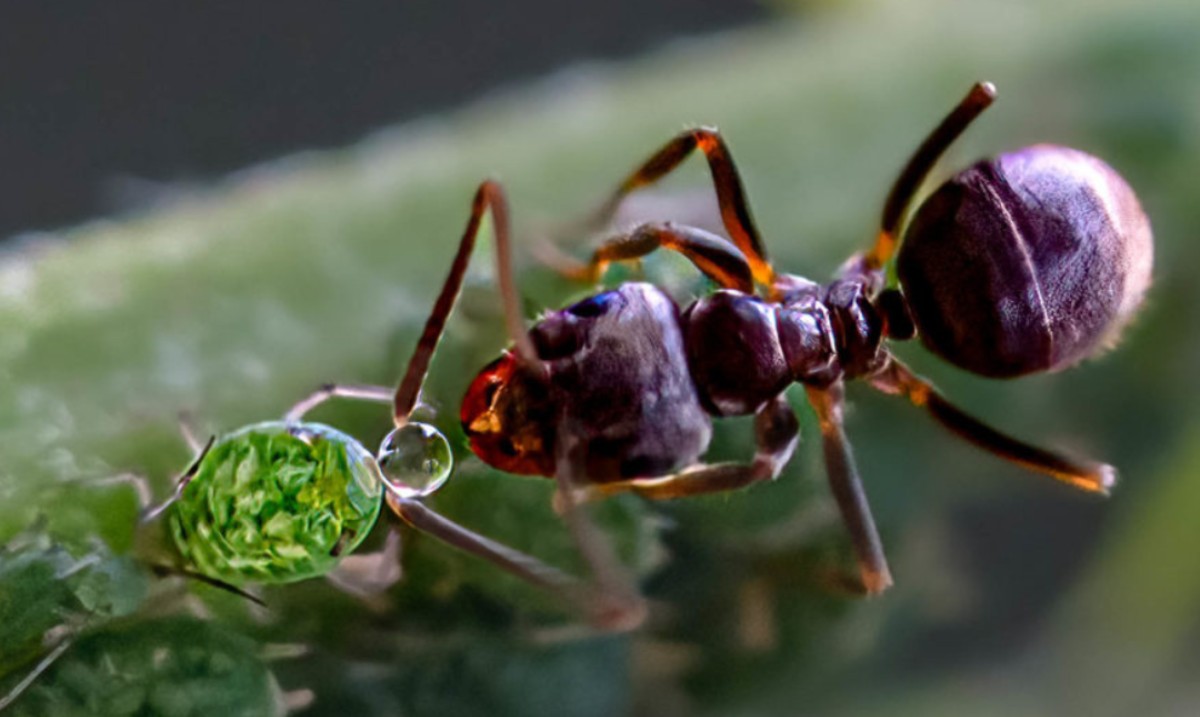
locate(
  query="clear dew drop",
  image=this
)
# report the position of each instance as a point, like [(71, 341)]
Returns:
[(415, 460)]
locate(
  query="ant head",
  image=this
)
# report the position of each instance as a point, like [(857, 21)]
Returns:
[(509, 418), (415, 460)]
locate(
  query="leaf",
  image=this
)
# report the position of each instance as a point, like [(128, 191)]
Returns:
[(168, 667), (237, 302)]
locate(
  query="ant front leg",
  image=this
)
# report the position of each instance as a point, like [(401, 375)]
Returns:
[(581, 596), (776, 434), (405, 397), (1093, 477), (731, 195)]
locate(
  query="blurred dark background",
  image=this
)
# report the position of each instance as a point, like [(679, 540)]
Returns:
[(111, 105)]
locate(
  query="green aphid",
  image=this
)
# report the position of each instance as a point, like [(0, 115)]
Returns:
[(277, 502)]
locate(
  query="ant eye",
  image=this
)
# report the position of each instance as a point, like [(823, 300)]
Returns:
[(415, 460), (593, 306)]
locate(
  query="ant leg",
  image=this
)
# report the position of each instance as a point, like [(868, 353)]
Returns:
[(615, 601), (978, 99), (404, 399), (371, 574), (848, 491), (489, 196), (731, 196), (362, 392), (776, 433), (1093, 477), (526, 567), (712, 255)]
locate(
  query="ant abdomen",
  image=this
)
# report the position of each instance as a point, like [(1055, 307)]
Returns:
[(1028, 262)]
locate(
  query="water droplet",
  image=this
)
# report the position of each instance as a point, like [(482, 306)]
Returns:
[(416, 460)]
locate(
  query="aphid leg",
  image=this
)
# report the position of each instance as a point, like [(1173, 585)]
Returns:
[(1087, 475), (139, 484), (186, 477), (731, 196), (776, 433), (370, 574), (712, 255), (489, 196), (362, 392), (526, 567), (162, 570), (978, 99), (848, 491)]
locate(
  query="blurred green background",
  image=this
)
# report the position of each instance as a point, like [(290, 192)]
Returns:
[(1014, 595)]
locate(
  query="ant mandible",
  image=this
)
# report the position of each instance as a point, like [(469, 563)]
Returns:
[(1028, 262)]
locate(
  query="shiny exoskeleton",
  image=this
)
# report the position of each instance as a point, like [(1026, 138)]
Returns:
[(1027, 262)]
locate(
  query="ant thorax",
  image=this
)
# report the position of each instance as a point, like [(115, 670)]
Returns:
[(744, 351)]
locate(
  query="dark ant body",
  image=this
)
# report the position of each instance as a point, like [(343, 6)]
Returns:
[(1028, 262)]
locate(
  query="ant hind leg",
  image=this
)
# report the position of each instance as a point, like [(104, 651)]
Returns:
[(904, 188), (898, 379)]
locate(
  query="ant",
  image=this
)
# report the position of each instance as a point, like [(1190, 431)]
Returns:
[(1028, 262)]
